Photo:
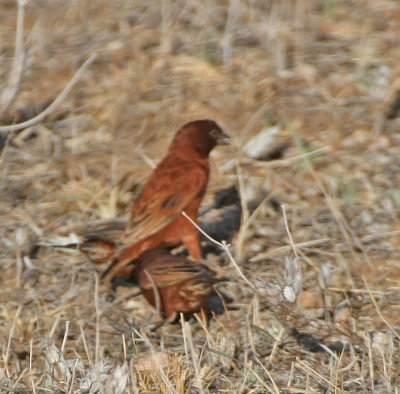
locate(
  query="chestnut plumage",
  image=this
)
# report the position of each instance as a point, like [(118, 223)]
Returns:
[(177, 184), (179, 284)]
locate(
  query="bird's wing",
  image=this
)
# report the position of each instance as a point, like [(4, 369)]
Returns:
[(169, 191), (170, 274)]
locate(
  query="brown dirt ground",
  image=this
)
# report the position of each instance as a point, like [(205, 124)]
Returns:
[(326, 73)]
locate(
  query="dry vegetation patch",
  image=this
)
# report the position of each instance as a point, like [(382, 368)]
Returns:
[(319, 79)]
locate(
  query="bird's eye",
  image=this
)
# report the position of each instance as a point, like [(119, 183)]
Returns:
[(214, 133)]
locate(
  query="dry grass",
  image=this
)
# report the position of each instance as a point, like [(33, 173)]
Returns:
[(324, 72)]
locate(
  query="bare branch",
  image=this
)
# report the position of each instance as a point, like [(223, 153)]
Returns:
[(54, 104), (10, 91), (225, 247), (229, 27)]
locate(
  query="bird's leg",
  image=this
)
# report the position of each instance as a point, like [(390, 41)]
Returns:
[(192, 241)]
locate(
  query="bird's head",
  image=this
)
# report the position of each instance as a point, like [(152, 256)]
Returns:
[(199, 135)]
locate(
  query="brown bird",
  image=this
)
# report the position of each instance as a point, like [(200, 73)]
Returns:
[(99, 240), (177, 184), (175, 284)]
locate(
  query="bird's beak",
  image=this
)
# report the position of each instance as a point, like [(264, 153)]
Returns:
[(224, 139)]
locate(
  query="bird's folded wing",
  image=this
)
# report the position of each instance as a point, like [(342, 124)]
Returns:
[(168, 275), (168, 192)]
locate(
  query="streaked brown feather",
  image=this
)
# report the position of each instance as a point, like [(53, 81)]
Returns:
[(150, 212), (182, 285)]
